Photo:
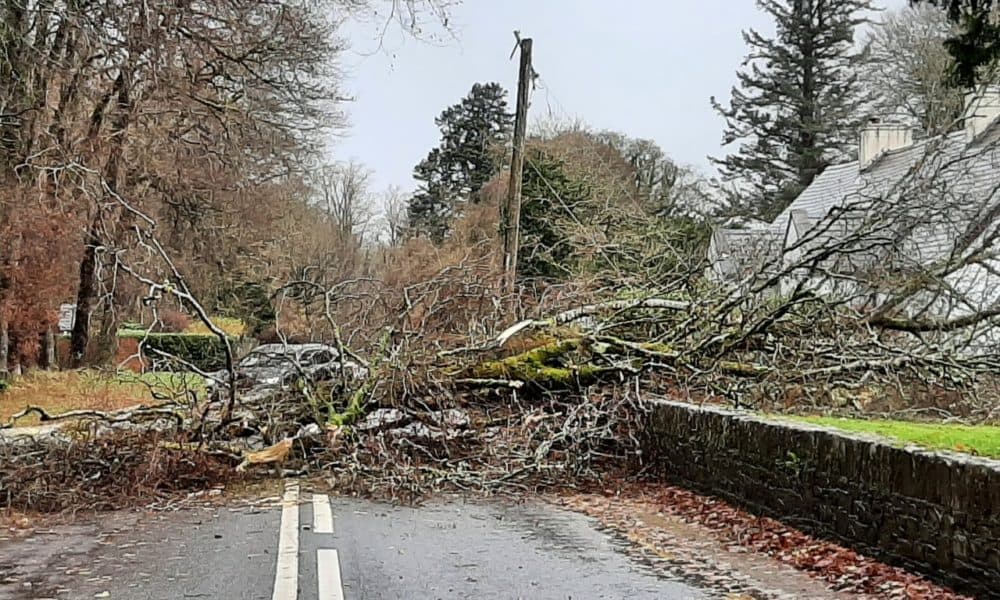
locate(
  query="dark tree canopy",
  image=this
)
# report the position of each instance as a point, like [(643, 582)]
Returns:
[(797, 105), (474, 134), (545, 251), (977, 45)]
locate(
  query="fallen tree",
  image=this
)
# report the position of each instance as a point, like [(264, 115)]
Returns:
[(468, 388)]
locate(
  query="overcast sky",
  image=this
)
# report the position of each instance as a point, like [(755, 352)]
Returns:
[(646, 68)]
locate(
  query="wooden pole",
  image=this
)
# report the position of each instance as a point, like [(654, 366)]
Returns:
[(511, 212)]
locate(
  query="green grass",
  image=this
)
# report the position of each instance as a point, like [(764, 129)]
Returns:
[(983, 440)]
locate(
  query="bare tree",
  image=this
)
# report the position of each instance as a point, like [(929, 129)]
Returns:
[(345, 198), (907, 69), (894, 286), (204, 116), (394, 207)]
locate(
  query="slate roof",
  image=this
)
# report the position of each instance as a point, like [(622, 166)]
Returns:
[(913, 203), (922, 174), (734, 250), (827, 190)]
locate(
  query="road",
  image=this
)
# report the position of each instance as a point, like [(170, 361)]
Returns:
[(307, 546)]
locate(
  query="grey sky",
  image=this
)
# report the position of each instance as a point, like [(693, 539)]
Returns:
[(643, 67)]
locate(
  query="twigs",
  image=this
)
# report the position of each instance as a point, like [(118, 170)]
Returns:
[(461, 394), (102, 472)]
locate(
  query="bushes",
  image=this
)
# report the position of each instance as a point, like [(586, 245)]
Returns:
[(250, 301), (195, 344), (204, 351)]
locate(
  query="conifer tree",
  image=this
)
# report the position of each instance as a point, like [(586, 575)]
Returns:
[(474, 134), (976, 46), (545, 251), (797, 106)]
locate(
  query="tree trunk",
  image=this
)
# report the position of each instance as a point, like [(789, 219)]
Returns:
[(108, 336), (49, 346), (85, 296), (4, 348), (87, 292)]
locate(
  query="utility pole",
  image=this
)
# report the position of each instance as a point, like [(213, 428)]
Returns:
[(510, 213)]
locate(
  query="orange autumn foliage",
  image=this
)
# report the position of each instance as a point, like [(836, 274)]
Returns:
[(36, 244)]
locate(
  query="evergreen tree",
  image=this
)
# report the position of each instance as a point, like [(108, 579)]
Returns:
[(545, 251), (977, 45), (429, 210), (247, 300), (473, 134), (796, 108)]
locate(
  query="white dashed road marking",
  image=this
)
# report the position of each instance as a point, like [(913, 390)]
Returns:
[(286, 576), (322, 514), (328, 569)]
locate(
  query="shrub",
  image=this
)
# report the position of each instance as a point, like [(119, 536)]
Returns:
[(250, 301), (204, 351)]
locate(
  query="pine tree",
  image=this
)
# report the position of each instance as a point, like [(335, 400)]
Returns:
[(474, 133), (430, 209), (797, 106)]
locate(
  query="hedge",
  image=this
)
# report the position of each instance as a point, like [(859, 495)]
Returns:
[(205, 351)]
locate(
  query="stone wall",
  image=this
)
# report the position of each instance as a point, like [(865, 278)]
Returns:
[(937, 513)]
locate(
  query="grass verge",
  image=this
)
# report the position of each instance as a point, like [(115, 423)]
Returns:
[(61, 391), (983, 440)]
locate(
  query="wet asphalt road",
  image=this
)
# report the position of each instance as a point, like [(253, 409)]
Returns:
[(484, 551), (444, 550)]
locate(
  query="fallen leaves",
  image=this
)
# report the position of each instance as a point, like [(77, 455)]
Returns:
[(841, 568)]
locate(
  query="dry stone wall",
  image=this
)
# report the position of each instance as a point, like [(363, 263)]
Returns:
[(937, 513)]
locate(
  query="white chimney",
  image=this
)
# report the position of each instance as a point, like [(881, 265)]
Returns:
[(878, 137), (982, 107)]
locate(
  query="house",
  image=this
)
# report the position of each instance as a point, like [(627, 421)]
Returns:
[(930, 206), (735, 254)]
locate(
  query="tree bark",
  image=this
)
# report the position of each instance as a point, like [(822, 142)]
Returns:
[(108, 337), (49, 347), (85, 295), (87, 292), (4, 348)]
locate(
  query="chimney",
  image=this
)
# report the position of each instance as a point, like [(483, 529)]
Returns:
[(878, 137), (982, 106)]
